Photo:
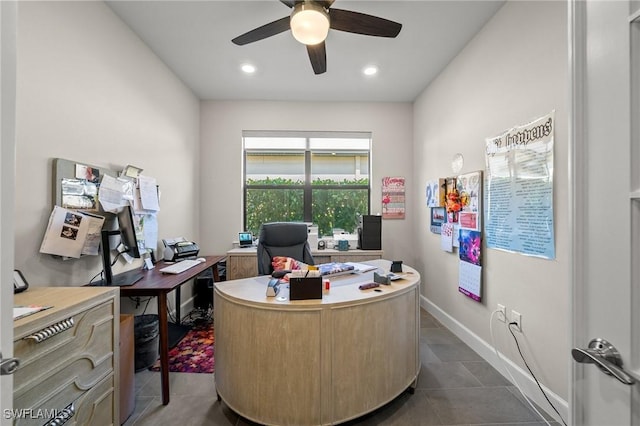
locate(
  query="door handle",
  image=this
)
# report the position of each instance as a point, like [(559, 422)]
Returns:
[(606, 357), (8, 366)]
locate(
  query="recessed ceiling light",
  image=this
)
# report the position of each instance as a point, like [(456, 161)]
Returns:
[(370, 70), (248, 68)]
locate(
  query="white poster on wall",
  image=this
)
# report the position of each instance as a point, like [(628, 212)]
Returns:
[(446, 237), (519, 189)]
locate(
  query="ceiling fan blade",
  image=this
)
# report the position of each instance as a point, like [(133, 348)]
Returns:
[(360, 23), (318, 57), (289, 3), (268, 30)]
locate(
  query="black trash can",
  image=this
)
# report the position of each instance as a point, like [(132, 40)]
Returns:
[(146, 328)]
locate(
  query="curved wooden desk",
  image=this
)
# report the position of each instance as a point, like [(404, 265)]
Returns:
[(313, 362)]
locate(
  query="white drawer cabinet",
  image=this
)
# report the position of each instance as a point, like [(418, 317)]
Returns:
[(68, 356)]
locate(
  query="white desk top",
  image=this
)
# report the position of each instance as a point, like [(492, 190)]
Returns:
[(344, 289)]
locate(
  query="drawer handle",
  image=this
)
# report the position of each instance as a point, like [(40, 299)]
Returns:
[(50, 331), (63, 417)]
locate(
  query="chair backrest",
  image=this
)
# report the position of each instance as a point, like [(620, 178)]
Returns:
[(282, 239)]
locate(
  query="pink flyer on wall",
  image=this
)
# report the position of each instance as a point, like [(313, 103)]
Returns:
[(393, 197)]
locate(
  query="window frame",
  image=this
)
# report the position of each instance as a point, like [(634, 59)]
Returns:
[(307, 187)]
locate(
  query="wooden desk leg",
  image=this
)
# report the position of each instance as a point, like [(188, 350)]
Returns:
[(178, 302), (216, 274), (164, 346)]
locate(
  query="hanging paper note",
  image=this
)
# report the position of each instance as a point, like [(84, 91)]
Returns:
[(456, 235), (111, 193), (94, 234), (446, 237), (66, 233), (434, 193), (149, 193)]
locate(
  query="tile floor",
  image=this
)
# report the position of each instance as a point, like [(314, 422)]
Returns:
[(455, 387)]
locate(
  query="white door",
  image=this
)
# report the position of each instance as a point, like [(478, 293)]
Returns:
[(7, 167), (605, 173)]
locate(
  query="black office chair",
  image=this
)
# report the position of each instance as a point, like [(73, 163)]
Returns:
[(282, 239)]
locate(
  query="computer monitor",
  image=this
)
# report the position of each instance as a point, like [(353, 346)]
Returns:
[(127, 231), (245, 239)]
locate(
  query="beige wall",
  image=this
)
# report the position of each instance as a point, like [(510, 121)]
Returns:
[(89, 90), (221, 178), (513, 71)]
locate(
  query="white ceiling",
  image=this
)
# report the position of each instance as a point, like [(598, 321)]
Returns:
[(194, 39)]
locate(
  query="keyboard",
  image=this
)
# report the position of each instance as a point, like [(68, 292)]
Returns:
[(180, 267)]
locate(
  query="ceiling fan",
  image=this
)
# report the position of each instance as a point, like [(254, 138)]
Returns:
[(310, 21)]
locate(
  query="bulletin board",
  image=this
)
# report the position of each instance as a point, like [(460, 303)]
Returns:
[(75, 193), (75, 185)]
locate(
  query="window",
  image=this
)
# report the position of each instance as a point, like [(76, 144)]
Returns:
[(306, 177)]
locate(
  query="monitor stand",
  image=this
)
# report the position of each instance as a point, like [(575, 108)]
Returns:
[(123, 279)]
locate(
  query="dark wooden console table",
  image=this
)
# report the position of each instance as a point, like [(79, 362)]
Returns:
[(157, 284)]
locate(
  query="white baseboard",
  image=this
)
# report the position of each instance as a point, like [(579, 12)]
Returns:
[(487, 352)]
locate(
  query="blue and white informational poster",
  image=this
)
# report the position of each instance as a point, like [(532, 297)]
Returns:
[(518, 204)]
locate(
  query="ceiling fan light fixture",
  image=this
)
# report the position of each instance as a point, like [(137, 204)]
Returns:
[(309, 23)]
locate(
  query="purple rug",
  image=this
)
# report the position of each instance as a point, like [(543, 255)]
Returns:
[(194, 353)]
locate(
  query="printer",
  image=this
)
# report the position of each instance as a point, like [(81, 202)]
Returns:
[(179, 249)]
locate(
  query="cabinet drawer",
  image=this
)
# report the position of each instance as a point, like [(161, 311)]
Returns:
[(354, 258), (92, 407), (241, 267), (317, 259), (58, 354)]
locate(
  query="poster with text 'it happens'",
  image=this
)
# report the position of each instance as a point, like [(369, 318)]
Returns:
[(518, 204)]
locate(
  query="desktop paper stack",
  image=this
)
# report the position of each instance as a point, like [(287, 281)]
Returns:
[(335, 268)]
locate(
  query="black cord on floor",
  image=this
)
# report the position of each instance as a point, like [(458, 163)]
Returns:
[(198, 316), (531, 372)]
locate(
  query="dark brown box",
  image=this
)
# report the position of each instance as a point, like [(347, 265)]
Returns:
[(301, 288)]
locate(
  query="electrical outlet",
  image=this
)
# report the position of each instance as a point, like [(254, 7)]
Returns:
[(502, 313), (516, 317)]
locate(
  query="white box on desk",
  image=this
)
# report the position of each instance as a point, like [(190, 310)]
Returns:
[(313, 240)]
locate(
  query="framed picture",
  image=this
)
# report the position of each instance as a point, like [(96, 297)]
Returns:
[(438, 217), (19, 282)]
